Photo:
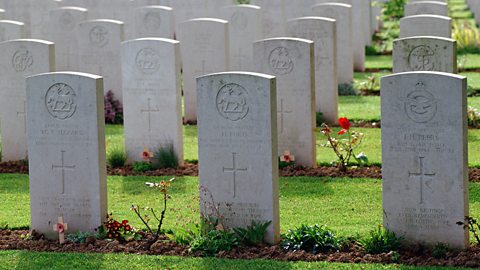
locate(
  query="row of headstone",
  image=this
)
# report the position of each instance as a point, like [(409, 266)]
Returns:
[(424, 132)]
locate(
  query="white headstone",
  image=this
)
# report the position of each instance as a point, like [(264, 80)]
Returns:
[(342, 14), (292, 62), (426, 25), (425, 54), (66, 151), (19, 59), (99, 44), (154, 21), (322, 31), (152, 96), (39, 18), (204, 49), (273, 17), (237, 141), (426, 7), (10, 30), (245, 22), (63, 32), (2, 14), (425, 156), (142, 3)]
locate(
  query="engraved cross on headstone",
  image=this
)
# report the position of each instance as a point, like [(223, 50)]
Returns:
[(282, 113), (63, 167), (23, 114), (149, 111), (234, 171), (421, 175)]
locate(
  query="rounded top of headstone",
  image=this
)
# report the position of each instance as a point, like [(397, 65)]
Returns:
[(428, 2), (333, 4), (426, 37), (81, 9), (427, 16), (206, 20), (71, 73), (156, 7), (12, 22), (313, 18), (284, 38), (103, 21), (244, 6), (432, 73), (246, 73), (40, 41), (166, 40)]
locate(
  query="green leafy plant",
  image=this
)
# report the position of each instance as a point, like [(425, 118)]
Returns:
[(319, 118), (163, 187), (472, 225), (344, 147), (473, 117), (381, 240), (394, 9), (213, 242), (185, 236), (440, 250), (121, 231), (116, 157), (313, 239), (467, 37), (142, 166), (371, 84), (79, 237), (347, 89), (165, 157), (253, 234)]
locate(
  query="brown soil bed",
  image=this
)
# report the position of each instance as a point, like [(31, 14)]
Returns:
[(189, 169), (11, 240)]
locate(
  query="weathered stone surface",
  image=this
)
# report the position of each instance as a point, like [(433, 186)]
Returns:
[(425, 54), (426, 25), (10, 30), (152, 96), (237, 143), (66, 151), (19, 59), (426, 7), (424, 157), (292, 62), (154, 21)]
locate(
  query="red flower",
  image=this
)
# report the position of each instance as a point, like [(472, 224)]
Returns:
[(124, 222), (60, 228), (128, 228), (343, 131), (344, 123)]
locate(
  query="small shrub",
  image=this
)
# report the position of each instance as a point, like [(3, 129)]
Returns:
[(313, 239), (381, 240), (185, 236), (253, 234), (440, 251), (467, 37), (320, 119), (79, 237), (121, 231), (394, 9), (371, 50), (372, 83), (165, 157), (116, 157), (347, 89), (213, 242), (142, 166), (473, 117), (472, 225), (113, 109)]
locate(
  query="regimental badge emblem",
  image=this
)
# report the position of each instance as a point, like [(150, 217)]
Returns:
[(21, 60), (232, 102), (420, 105), (280, 61), (98, 36), (60, 101), (421, 58), (147, 60)]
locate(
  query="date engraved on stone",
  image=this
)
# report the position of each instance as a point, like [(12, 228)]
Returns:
[(232, 102), (60, 101)]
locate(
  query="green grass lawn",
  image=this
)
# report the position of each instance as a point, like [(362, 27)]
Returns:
[(58, 261)]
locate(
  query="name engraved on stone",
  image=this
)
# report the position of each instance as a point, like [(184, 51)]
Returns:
[(147, 61), (60, 101), (232, 102), (23, 114), (149, 112), (21, 60), (152, 21), (420, 105), (239, 20), (63, 167), (234, 170), (421, 58), (421, 176), (282, 113), (280, 62), (67, 21), (98, 36)]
